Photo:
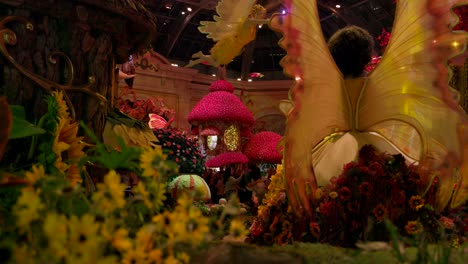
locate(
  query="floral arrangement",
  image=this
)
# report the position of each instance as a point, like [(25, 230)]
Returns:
[(263, 147), (51, 212), (275, 221), (221, 105), (377, 188), (381, 187), (141, 109), (182, 150)]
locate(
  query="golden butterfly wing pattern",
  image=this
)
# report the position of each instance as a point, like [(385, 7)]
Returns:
[(407, 99), (318, 107)]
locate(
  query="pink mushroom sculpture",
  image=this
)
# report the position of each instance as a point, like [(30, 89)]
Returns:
[(263, 148), (221, 116)]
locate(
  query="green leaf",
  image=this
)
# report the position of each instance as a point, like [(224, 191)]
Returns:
[(21, 127)]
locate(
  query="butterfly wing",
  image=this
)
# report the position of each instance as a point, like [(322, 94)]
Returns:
[(407, 99), (230, 13), (318, 109)]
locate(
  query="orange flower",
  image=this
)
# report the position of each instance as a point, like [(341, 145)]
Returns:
[(380, 212), (413, 227), (416, 202)]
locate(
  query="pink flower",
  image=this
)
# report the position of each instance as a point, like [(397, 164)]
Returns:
[(156, 121), (447, 222)]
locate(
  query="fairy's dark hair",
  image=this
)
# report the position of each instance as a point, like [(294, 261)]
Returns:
[(351, 48)]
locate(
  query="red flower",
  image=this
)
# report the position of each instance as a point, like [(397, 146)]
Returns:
[(366, 189), (255, 229), (343, 180), (326, 208), (353, 206), (345, 193), (380, 212), (315, 229), (398, 197), (416, 202), (447, 222), (376, 169)]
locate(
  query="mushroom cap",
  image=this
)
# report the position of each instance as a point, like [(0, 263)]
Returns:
[(226, 159), (263, 147)]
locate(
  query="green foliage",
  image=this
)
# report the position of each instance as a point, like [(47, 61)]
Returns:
[(21, 127), (104, 155)]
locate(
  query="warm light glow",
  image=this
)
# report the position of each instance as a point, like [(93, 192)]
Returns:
[(189, 9), (183, 13), (239, 79), (249, 80), (232, 137), (455, 44), (283, 12), (338, 6), (214, 75), (211, 142), (298, 78), (174, 64), (260, 26)]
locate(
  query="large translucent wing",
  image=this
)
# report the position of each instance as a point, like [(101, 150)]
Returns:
[(231, 13), (319, 109), (407, 99)]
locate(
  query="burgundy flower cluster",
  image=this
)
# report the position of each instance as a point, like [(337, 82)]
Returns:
[(140, 109), (462, 13), (378, 187), (354, 206)]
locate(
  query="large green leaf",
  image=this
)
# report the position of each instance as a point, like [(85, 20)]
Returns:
[(21, 127)]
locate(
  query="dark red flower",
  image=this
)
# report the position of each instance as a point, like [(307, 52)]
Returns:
[(343, 180), (366, 189), (345, 193), (367, 154), (380, 212), (376, 169), (353, 206), (398, 197), (315, 229), (326, 208)]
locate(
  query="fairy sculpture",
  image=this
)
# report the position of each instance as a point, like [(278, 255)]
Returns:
[(234, 27), (404, 105)]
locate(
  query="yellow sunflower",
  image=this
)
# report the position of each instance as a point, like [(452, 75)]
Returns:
[(155, 256), (55, 229), (150, 160), (156, 190), (62, 110), (68, 149), (237, 228), (110, 195), (27, 208), (120, 240), (36, 174), (184, 257), (134, 256), (416, 202), (189, 225), (413, 227), (84, 242)]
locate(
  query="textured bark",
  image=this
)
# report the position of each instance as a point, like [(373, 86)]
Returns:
[(93, 34)]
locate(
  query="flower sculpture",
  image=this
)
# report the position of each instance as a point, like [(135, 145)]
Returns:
[(263, 147), (222, 117)]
